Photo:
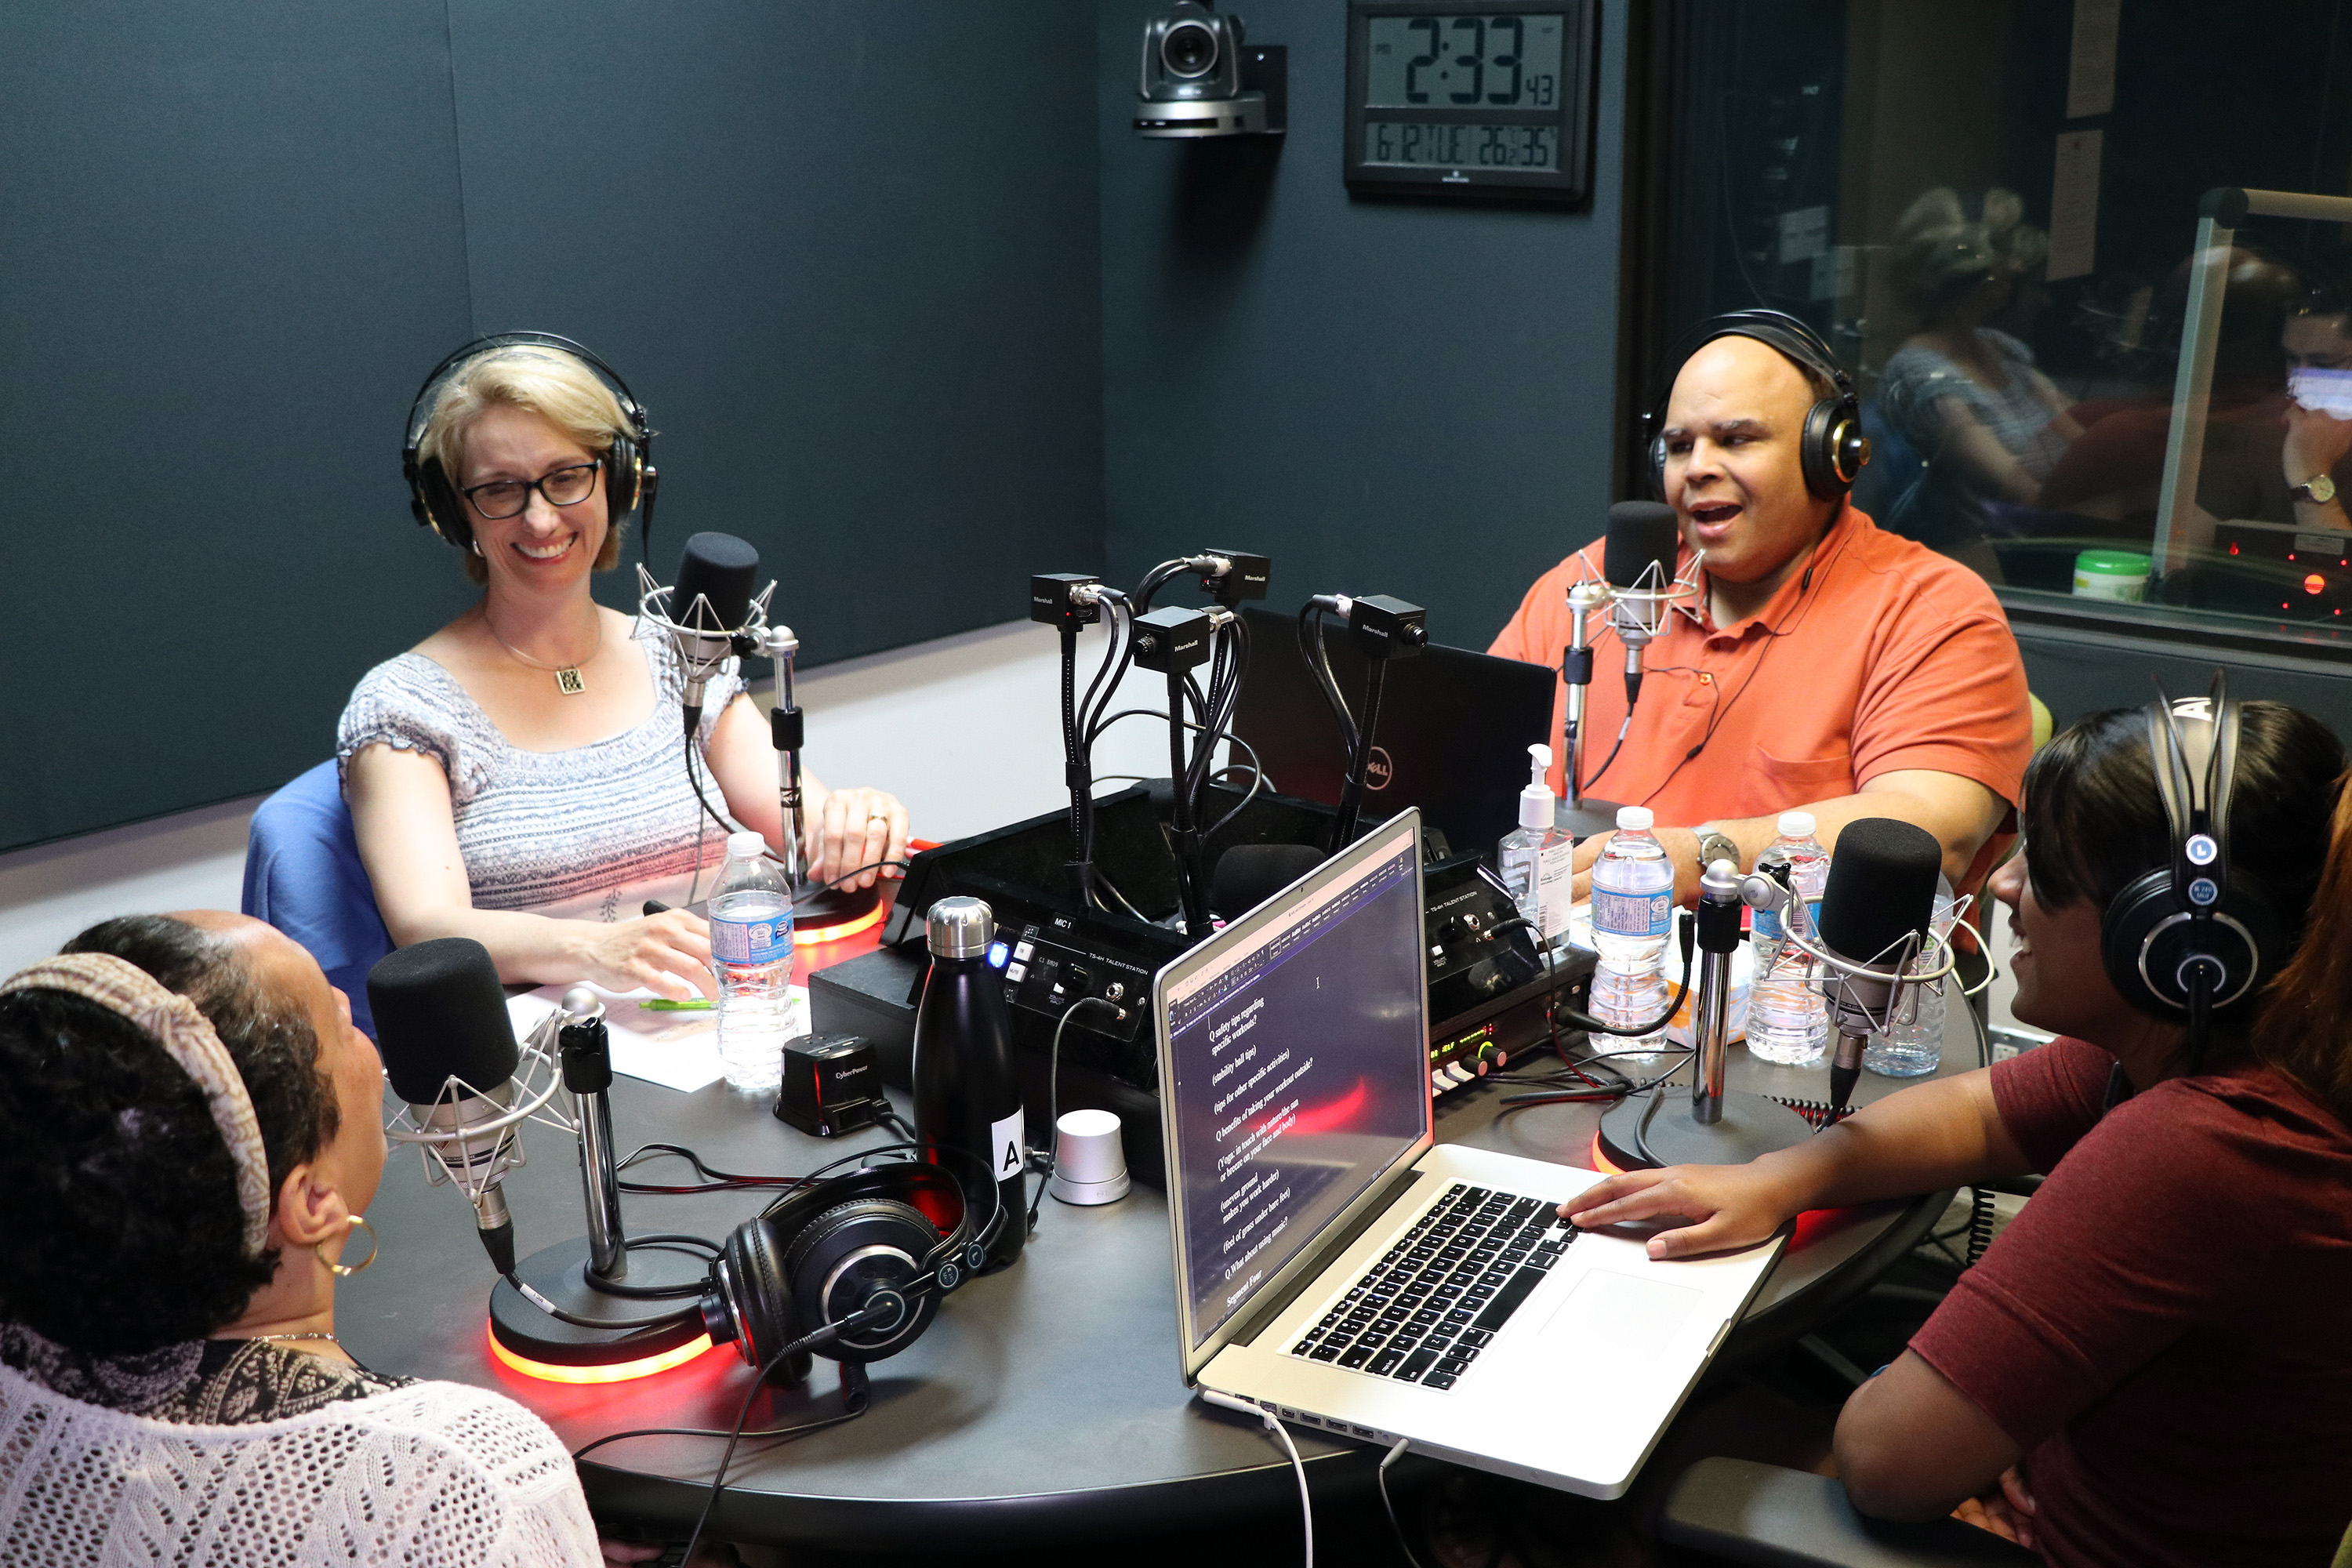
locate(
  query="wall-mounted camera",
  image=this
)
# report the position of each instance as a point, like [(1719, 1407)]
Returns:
[(1200, 79)]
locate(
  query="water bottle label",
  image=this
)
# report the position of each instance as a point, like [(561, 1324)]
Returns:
[(1005, 1139), (751, 941), (1768, 925), (1632, 914)]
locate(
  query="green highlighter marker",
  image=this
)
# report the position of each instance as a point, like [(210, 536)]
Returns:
[(666, 1005)]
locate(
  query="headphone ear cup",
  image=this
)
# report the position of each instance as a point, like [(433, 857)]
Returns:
[(2124, 931), (1849, 447), (437, 505), (620, 479), (857, 1252), (762, 1304), (1818, 451), (2145, 959)]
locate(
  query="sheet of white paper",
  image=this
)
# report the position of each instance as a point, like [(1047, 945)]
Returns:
[(676, 1050), (2091, 65), (2074, 204)]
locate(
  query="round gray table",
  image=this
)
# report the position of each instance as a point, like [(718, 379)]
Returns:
[(1045, 1401)]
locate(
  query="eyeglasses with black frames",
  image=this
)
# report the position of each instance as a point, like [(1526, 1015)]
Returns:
[(567, 486)]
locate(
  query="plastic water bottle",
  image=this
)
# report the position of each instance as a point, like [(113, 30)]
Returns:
[(1917, 1048), (1538, 861), (1632, 909), (751, 950), (1788, 1021)]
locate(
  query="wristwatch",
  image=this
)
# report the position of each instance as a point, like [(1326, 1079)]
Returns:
[(1715, 845), (2318, 490)]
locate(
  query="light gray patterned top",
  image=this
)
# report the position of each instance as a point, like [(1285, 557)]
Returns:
[(1916, 377), (585, 834)]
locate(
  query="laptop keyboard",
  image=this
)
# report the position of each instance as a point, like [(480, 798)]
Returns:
[(1423, 1312)]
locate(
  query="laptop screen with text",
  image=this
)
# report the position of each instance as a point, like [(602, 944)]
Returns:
[(1299, 1069)]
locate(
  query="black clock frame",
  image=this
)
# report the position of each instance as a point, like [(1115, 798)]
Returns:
[(1568, 184)]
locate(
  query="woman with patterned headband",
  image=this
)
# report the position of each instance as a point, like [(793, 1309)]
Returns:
[(188, 1136)]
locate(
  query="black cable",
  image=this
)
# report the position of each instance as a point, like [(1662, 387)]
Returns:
[(713, 1179), (660, 1242), (830, 1333), (625, 1325), (583, 1451), (858, 872), (1614, 751), (1118, 652), (1163, 714), (694, 777), (1319, 662)]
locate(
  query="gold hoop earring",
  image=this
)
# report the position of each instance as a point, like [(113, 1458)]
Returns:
[(345, 1270)]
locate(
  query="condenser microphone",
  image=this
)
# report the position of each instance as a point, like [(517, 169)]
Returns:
[(1882, 889), (709, 607), (449, 1051), (1638, 559), (1644, 538)]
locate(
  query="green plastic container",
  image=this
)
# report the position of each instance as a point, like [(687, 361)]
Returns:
[(2112, 575)]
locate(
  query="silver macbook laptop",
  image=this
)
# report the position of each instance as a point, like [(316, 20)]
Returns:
[(1338, 1267)]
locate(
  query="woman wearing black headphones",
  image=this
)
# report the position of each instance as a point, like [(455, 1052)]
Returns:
[(2150, 1365), (516, 777)]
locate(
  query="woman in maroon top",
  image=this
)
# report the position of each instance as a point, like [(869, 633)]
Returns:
[(2153, 1365)]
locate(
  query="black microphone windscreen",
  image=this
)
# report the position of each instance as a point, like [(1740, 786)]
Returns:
[(1640, 532), (720, 567), (441, 1013), (1882, 884), (1249, 874)]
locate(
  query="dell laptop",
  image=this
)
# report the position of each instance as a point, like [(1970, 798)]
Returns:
[(1338, 1267), (1452, 738)]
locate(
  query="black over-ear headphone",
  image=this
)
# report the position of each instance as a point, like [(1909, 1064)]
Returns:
[(1832, 448), (2190, 939), (884, 1243), (849, 1266), (630, 480)]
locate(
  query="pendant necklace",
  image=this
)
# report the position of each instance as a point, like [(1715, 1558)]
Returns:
[(567, 676)]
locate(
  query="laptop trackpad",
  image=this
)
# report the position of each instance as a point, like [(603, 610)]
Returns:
[(1635, 1319)]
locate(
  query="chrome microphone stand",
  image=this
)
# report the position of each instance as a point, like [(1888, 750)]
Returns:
[(593, 1279), (585, 1048), (1585, 599), (1722, 1126), (816, 906)]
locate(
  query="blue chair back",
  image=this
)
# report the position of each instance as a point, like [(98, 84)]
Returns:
[(303, 874)]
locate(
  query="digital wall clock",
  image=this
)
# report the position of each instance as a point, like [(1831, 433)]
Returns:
[(1490, 101)]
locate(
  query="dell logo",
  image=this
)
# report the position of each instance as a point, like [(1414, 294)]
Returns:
[(1377, 770)]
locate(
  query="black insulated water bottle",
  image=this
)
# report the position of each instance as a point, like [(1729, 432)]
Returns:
[(967, 1090)]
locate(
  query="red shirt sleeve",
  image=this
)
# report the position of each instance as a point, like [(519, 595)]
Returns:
[(2099, 1274)]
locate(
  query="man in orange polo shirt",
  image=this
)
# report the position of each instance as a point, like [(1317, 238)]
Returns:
[(1823, 664)]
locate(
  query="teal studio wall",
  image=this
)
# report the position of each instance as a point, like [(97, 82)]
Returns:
[(912, 309), (857, 298)]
